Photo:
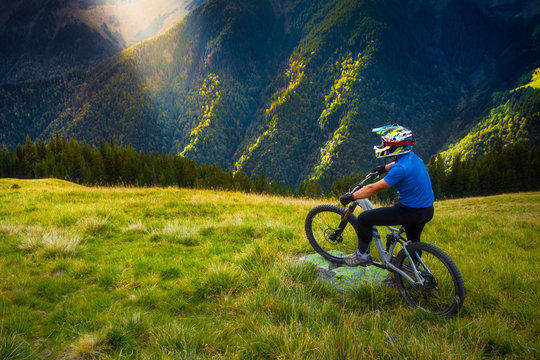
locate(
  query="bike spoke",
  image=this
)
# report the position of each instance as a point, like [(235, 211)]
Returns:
[(438, 292), (324, 224)]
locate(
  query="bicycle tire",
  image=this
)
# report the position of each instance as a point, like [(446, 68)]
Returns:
[(444, 292), (320, 222)]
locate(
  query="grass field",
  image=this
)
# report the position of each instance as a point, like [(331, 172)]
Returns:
[(129, 273)]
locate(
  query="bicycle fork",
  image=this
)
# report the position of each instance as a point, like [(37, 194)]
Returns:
[(336, 234)]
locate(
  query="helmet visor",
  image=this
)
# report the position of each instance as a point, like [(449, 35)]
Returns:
[(400, 143)]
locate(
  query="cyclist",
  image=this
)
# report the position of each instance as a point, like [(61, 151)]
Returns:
[(408, 174)]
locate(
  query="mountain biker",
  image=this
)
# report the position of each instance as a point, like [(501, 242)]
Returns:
[(408, 174)]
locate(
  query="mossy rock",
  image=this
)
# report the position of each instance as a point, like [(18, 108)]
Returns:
[(345, 278)]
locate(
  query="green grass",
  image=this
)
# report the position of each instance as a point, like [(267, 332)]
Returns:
[(115, 273)]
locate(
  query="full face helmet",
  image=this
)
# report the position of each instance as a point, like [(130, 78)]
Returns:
[(396, 140)]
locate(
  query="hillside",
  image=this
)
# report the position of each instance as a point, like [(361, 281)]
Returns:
[(41, 39), (514, 119), (291, 88), (174, 273)]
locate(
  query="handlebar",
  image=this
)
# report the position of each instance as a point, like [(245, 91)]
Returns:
[(369, 177)]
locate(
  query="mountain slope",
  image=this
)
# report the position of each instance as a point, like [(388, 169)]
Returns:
[(428, 68), (192, 90), (40, 39), (515, 118), (291, 88)]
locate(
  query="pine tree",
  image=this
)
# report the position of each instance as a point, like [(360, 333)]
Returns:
[(456, 178), (41, 150), (436, 169), (261, 184), (5, 162), (311, 188), (29, 158)]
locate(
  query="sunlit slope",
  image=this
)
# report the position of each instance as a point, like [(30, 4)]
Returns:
[(48, 38), (535, 80), (89, 272), (514, 118)]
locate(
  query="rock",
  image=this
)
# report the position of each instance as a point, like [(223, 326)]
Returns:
[(345, 278)]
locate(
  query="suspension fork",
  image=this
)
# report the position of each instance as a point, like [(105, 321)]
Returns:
[(343, 222), (350, 210)]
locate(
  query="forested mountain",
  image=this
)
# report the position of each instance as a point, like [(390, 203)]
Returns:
[(44, 38), (514, 119), (291, 88)]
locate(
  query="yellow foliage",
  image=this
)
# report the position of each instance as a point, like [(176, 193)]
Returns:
[(210, 94), (535, 81), (295, 73), (350, 74)]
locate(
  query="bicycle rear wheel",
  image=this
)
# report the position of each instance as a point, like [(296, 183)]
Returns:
[(321, 222), (443, 292)]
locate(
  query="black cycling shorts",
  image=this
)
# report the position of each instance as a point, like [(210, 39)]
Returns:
[(412, 219)]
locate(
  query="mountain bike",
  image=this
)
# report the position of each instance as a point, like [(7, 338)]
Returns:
[(426, 277)]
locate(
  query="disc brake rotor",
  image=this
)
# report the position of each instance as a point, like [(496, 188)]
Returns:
[(330, 235)]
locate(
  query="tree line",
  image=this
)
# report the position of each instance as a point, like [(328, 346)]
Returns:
[(109, 165), (503, 169)]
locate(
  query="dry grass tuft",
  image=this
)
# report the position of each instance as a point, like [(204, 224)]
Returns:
[(92, 224), (136, 226), (10, 229), (87, 347), (59, 242), (177, 229)]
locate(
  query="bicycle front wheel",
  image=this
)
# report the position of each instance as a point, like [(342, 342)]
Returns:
[(443, 291), (321, 225)]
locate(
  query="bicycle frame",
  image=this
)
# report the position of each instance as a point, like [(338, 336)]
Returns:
[(386, 256)]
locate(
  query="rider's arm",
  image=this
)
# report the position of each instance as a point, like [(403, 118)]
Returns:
[(371, 189)]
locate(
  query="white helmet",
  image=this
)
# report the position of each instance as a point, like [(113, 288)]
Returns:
[(396, 140)]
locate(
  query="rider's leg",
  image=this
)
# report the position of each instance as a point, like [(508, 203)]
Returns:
[(392, 215), (416, 221), (414, 230), (413, 220), (365, 222), (380, 216)]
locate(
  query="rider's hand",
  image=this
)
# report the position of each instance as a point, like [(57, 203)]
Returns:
[(381, 169), (346, 198)]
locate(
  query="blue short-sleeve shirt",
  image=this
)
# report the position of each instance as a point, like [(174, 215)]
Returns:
[(411, 179)]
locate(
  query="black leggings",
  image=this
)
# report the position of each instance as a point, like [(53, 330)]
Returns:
[(412, 219)]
